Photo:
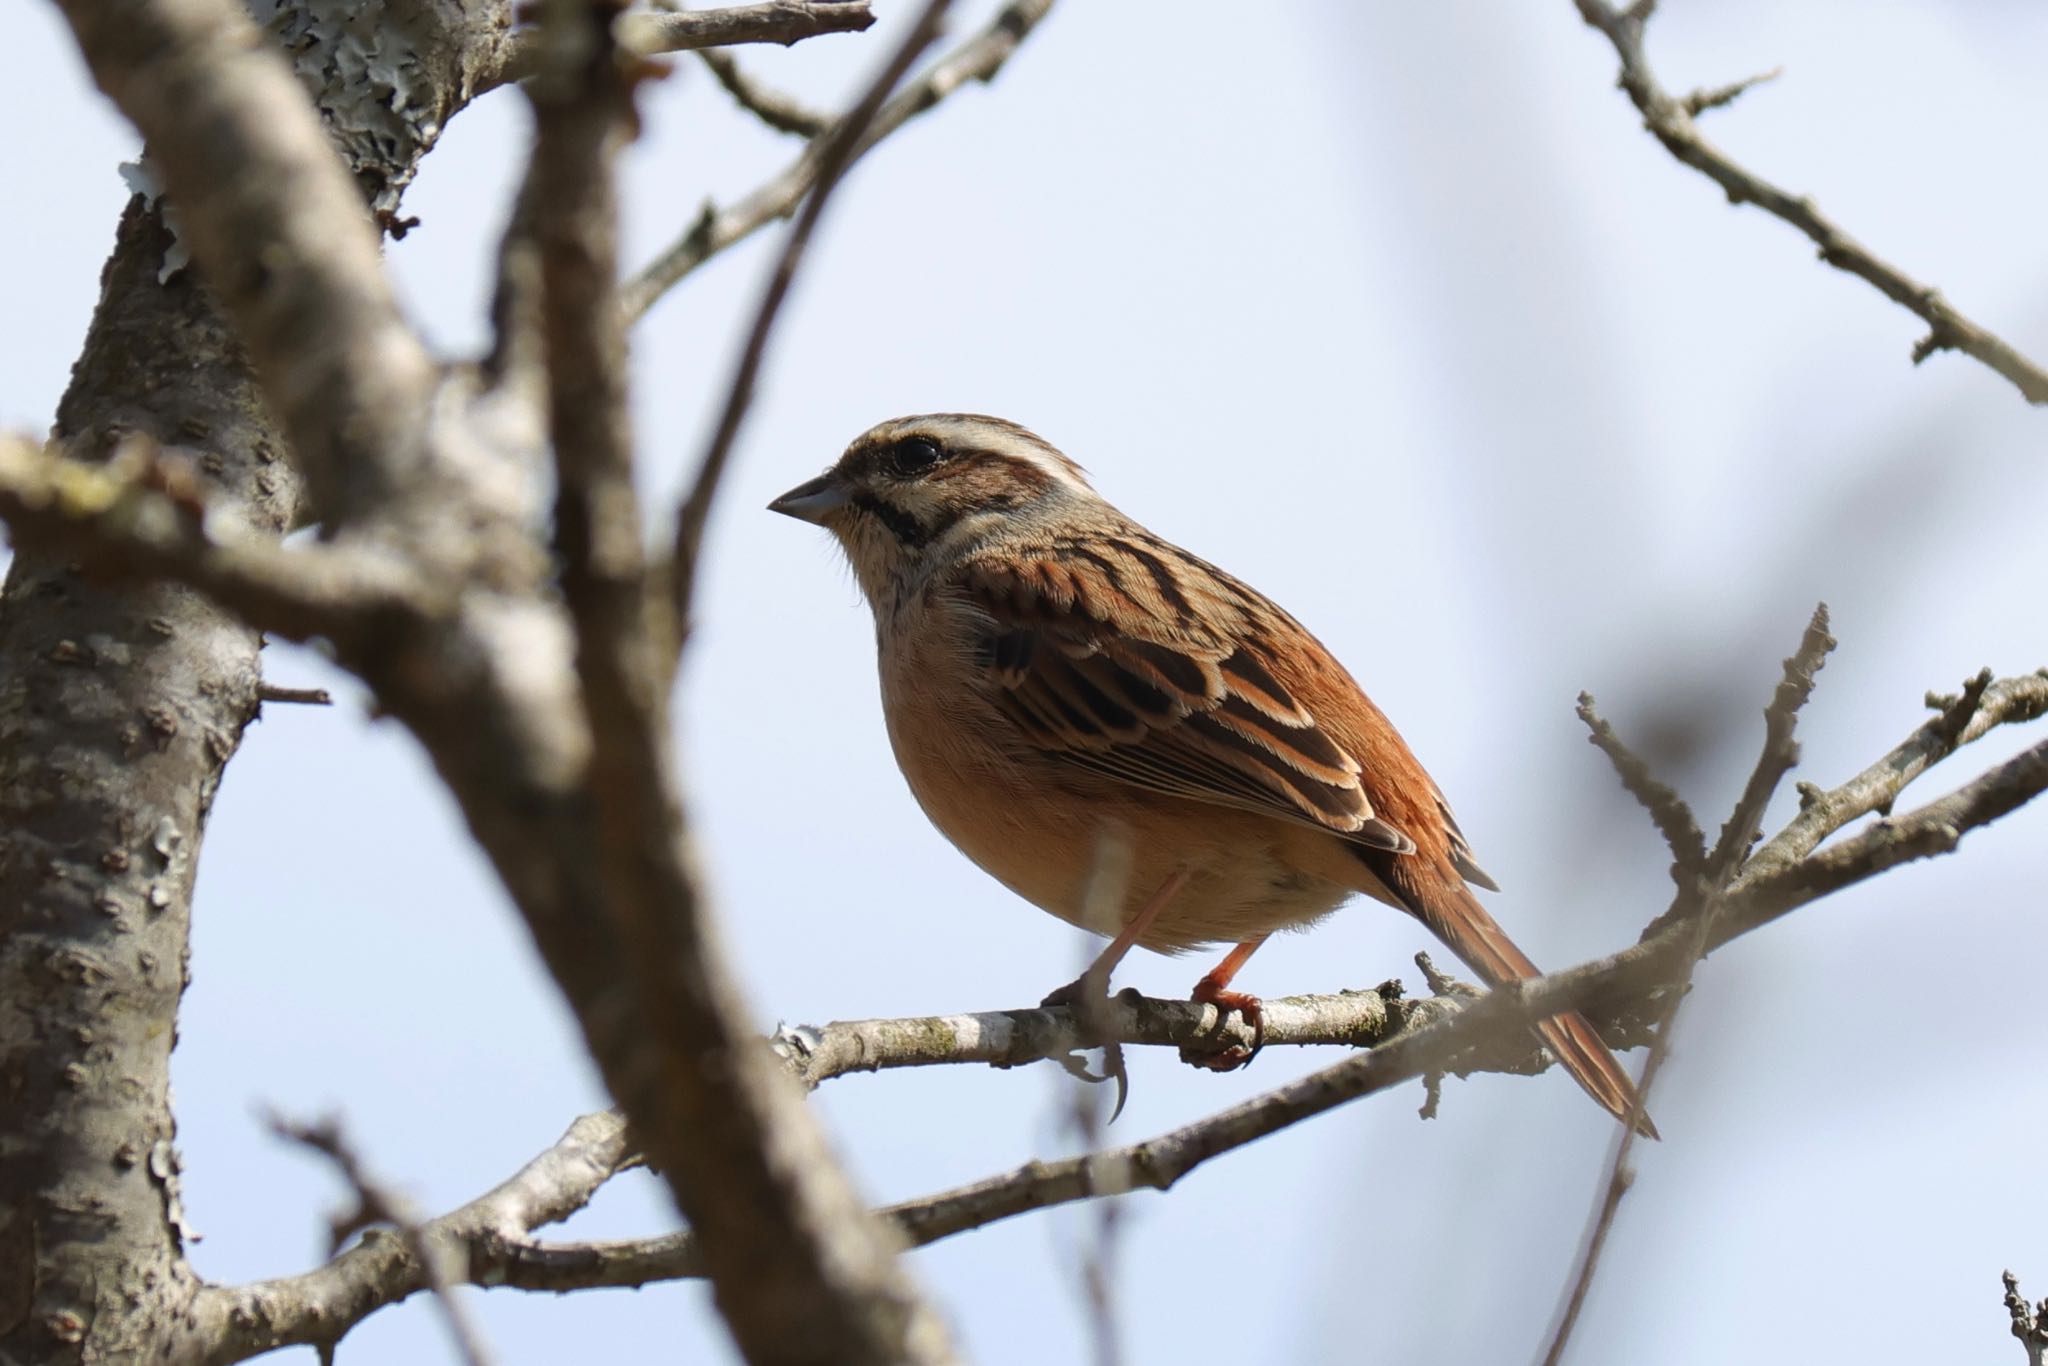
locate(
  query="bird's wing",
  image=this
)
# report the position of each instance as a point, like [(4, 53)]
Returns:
[(1128, 658)]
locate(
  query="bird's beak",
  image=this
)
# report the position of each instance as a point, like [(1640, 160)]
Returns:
[(814, 501)]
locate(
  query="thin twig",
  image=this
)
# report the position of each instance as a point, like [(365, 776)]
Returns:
[(1671, 121), (1780, 751), (1701, 899), (834, 157), (1700, 101), (440, 1264), (1673, 818), (977, 59), (647, 35), (305, 697), (784, 113), (1980, 709)]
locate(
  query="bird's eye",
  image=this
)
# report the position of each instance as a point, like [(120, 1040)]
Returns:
[(914, 455)]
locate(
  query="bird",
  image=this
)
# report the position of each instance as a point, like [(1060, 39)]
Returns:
[(1058, 681)]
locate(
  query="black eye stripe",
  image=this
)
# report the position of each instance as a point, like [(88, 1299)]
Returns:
[(904, 527)]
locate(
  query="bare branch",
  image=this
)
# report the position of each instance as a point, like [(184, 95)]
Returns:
[(1674, 819), (1699, 899), (1936, 828), (1013, 1038), (305, 697), (801, 1271), (2029, 1322), (377, 1203), (1700, 101), (834, 156), (143, 514), (977, 59), (776, 21), (1982, 707), (783, 113), (1671, 121), (322, 1305), (1780, 751)]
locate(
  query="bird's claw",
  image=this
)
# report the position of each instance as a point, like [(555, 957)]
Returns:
[(1113, 1069), (1236, 1055)]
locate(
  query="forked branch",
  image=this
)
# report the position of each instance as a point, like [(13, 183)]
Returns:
[(1671, 119)]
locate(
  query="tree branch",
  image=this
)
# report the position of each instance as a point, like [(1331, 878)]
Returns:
[(776, 21), (1698, 901), (1982, 706), (800, 1269), (144, 514), (977, 59), (321, 1306), (1668, 810), (1671, 120), (377, 1203), (1013, 1038), (781, 112), (2029, 1321)]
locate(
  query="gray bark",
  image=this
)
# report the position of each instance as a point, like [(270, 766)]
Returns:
[(119, 708), (120, 705)]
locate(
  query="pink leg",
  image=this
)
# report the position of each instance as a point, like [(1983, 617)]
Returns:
[(1097, 975), (1214, 990)]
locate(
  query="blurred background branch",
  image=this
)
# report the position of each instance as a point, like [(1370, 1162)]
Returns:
[(1671, 120)]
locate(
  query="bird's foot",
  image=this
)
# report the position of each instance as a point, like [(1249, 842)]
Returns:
[(1244, 1003), (1086, 995)]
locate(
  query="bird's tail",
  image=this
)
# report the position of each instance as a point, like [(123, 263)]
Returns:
[(1438, 897)]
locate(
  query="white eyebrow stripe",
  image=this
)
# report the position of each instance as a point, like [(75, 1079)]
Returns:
[(1058, 467)]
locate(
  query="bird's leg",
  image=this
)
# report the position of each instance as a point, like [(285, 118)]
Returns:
[(1094, 983), (1088, 992), (1214, 990)]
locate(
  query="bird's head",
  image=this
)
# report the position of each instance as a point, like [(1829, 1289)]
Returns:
[(913, 491)]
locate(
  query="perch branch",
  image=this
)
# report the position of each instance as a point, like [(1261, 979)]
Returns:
[(1671, 120)]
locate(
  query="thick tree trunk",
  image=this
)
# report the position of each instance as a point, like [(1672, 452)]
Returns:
[(119, 707)]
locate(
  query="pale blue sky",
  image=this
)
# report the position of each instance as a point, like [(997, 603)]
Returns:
[(1396, 312)]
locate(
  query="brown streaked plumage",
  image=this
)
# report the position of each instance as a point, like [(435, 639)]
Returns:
[(1057, 678)]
